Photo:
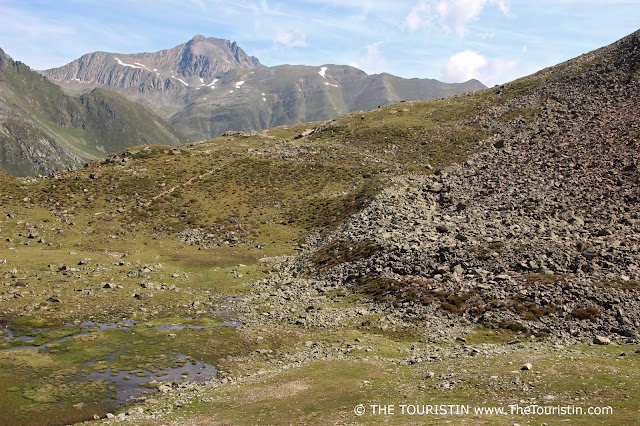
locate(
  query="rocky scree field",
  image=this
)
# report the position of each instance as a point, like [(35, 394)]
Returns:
[(480, 250)]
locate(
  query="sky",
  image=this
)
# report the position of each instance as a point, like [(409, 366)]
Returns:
[(494, 41)]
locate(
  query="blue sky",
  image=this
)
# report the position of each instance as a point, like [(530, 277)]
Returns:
[(494, 41)]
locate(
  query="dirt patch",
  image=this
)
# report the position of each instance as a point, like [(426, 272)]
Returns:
[(281, 391)]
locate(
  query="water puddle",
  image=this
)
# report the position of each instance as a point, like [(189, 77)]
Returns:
[(97, 327), (127, 383), (130, 385)]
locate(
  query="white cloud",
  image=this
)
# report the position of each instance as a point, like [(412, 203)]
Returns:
[(419, 16), (456, 14), (372, 62), (453, 15), (469, 64), (464, 66), (291, 38), (501, 70)]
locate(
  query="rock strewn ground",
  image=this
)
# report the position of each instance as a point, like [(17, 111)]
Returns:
[(541, 228)]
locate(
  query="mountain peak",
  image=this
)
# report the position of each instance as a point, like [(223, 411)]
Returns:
[(210, 57), (167, 73)]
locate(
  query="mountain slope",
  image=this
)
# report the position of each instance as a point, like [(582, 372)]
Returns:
[(208, 86), (43, 130), (341, 263), (257, 99), (159, 79), (539, 231)]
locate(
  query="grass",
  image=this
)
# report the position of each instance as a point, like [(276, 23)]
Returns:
[(326, 392)]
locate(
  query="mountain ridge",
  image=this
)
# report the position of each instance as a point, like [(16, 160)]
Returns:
[(43, 130), (195, 86)]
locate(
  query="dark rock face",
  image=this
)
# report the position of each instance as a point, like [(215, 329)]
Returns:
[(165, 74), (201, 57)]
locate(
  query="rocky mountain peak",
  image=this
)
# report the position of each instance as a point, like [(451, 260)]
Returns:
[(204, 57), (163, 76)]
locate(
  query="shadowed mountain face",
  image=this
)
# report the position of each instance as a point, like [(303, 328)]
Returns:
[(43, 130), (208, 86)]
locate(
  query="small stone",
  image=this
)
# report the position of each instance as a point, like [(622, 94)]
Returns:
[(458, 270), (601, 340), (527, 367), (136, 410), (443, 229)]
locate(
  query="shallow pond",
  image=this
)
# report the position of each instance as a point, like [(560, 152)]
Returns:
[(130, 386)]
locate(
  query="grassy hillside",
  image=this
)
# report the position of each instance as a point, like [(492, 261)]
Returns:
[(197, 219)]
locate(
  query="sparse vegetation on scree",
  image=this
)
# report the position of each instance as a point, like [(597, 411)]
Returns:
[(479, 250)]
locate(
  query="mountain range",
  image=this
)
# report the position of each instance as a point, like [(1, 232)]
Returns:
[(207, 86), (43, 130)]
